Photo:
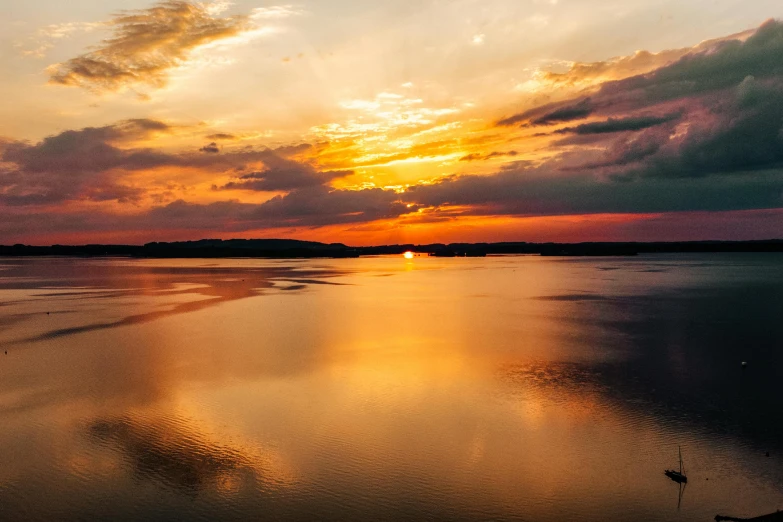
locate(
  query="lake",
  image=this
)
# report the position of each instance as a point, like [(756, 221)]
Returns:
[(382, 388)]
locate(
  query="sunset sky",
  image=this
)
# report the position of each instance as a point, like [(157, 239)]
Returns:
[(391, 121)]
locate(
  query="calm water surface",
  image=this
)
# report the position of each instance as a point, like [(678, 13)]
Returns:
[(519, 388)]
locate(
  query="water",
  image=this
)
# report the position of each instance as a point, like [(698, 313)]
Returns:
[(519, 388)]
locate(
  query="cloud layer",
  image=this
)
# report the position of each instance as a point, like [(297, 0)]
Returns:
[(701, 132), (704, 132)]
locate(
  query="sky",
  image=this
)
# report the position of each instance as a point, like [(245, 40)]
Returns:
[(390, 121)]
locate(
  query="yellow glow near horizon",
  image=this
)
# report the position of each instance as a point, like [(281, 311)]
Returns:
[(408, 255)]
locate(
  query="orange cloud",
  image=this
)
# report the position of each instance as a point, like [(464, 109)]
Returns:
[(146, 44)]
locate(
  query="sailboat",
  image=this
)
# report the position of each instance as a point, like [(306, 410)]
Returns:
[(677, 476)]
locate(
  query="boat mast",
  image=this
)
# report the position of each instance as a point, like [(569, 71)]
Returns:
[(679, 450)]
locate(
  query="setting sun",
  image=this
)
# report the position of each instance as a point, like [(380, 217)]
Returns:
[(408, 255)]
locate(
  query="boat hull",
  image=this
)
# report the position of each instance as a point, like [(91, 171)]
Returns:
[(676, 476)]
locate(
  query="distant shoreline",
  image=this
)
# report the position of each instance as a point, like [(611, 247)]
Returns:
[(294, 249)]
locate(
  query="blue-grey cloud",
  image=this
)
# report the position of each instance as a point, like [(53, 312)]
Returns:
[(88, 164), (611, 125), (530, 193), (550, 114), (311, 206), (281, 179)]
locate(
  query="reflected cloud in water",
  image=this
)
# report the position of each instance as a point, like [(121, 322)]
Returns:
[(170, 453), (202, 286)]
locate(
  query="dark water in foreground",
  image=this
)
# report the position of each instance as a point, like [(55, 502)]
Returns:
[(383, 389)]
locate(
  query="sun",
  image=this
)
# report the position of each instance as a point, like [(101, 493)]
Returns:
[(408, 255)]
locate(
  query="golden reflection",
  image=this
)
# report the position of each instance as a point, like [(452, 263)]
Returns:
[(482, 378)]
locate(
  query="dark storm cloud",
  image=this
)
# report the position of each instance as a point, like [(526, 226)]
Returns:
[(638, 63), (631, 123), (745, 136), (721, 107), (145, 45), (628, 151), (734, 133), (725, 65), (710, 67), (550, 114), (573, 112), (718, 145), (538, 193)]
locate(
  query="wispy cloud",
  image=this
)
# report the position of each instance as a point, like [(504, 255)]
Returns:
[(275, 12), (147, 44), (46, 38)]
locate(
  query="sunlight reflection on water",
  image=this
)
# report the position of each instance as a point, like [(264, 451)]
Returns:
[(381, 388)]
